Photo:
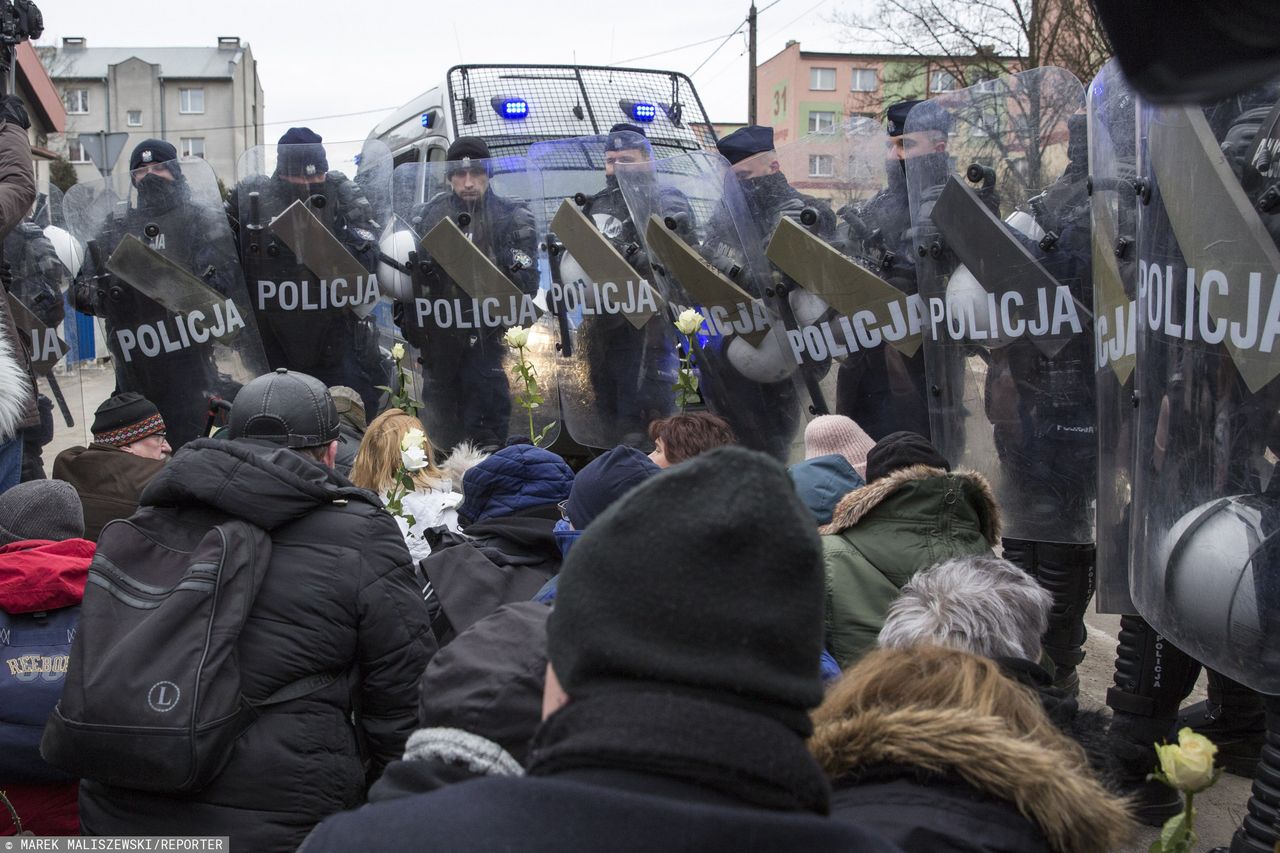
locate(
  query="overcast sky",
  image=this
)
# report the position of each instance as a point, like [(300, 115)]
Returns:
[(326, 58)]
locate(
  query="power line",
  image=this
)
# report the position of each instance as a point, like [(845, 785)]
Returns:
[(283, 121), (796, 18), (722, 44), (668, 50)]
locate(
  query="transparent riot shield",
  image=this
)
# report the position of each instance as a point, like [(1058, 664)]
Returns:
[(468, 269), (38, 307), (162, 276), (863, 270), (617, 364), (1113, 204), (1004, 253), (1206, 570), (691, 209), (309, 240)]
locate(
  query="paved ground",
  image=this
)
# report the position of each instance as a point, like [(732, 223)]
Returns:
[(1220, 810)]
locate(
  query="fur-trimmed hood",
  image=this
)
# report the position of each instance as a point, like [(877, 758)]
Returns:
[(1054, 790), (15, 381), (970, 485), (460, 460)]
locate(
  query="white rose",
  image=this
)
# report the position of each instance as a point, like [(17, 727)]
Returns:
[(413, 438), (397, 351), (516, 337), (689, 321), (413, 459)]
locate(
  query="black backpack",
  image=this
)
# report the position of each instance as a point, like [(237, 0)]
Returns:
[(152, 699)]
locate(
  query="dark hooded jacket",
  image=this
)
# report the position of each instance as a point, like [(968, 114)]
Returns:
[(948, 781), (338, 594), (885, 532)]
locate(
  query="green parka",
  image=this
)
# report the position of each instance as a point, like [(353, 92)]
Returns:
[(883, 533)]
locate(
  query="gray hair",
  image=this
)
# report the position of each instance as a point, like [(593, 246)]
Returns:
[(982, 605)]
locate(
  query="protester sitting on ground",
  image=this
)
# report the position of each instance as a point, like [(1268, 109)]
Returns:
[(684, 436), (433, 503), (827, 434), (337, 608), (913, 512), (508, 549), (822, 482), (991, 608), (479, 703), (937, 750), (600, 483), (351, 426), (677, 691), (128, 449), (44, 564)]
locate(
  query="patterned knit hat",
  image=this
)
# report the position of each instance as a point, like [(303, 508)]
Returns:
[(828, 434), (126, 418)]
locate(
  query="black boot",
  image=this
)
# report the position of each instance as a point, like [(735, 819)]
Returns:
[(1234, 718), (1260, 832), (1066, 571), (1152, 678)]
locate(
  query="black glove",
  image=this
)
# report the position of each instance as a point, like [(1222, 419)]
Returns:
[(12, 111)]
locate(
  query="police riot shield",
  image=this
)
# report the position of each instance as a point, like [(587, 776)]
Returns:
[(161, 274), (1206, 570), (467, 270), (688, 209), (38, 293), (862, 269), (997, 182), (309, 244), (617, 363), (1113, 205)]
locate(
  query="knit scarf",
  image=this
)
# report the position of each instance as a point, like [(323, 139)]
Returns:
[(728, 749)]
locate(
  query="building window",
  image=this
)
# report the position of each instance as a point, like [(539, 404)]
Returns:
[(942, 81), (191, 100), (135, 118), (821, 165), (75, 151), (76, 101), (822, 79), (822, 122), (864, 80), (192, 146)]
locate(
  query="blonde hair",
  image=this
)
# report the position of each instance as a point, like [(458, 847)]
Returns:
[(378, 458), (945, 710)]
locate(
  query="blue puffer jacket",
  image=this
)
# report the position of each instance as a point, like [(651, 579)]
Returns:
[(514, 479)]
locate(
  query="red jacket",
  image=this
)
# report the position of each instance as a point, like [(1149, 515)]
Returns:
[(37, 577)]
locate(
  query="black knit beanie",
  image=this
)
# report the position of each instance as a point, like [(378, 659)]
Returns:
[(299, 153), (125, 418), (706, 579), (902, 450)]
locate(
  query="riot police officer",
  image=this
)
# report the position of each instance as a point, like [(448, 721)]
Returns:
[(878, 234), (631, 371), (178, 374), (764, 415), (294, 297), (466, 389)]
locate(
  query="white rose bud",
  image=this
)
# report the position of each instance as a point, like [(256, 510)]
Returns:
[(689, 321), (516, 337), (1188, 764), (397, 351), (414, 437), (413, 459)]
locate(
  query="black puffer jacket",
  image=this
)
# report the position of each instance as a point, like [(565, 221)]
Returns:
[(339, 593)]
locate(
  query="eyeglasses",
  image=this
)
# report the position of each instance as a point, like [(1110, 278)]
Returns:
[(563, 506)]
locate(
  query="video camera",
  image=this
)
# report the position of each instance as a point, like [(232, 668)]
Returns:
[(20, 20)]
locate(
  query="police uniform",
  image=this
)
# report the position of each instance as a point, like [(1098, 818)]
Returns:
[(466, 388), (332, 344), (180, 381)]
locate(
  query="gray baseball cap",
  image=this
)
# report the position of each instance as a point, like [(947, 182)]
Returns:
[(286, 408)]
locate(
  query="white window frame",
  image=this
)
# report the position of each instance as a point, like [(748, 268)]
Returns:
[(937, 78), (186, 146), (81, 95), (875, 80), (129, 116), (184, 100), (815, 121), (815, 78), (74, 148), (816, 162)]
